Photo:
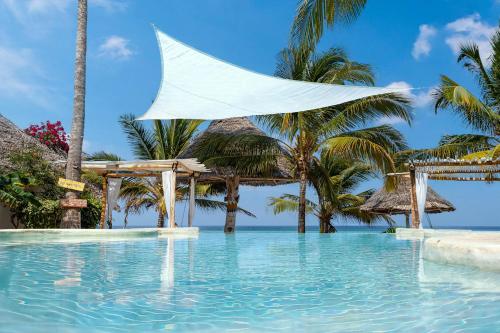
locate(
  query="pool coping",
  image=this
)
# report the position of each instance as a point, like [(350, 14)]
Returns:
[(478, 249), (29, 236)]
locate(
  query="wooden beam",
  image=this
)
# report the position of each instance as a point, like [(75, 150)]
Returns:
[(415, 216), (104, 201), (465, 179), (171, 214), (192, 186)]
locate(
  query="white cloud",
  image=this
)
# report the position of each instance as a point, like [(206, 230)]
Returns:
[(21, 77), (470, 29), (44, 6), (27, 10), (420, 98), (116, 47), (422, 45), (110, 5)]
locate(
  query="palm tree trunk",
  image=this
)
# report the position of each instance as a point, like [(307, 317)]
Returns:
[(232, 198), (161, 220), (302, 202), (72, 217), (325, 226)]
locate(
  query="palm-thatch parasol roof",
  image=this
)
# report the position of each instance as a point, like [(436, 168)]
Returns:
[(238, 126), (399, 201), (13, 139)]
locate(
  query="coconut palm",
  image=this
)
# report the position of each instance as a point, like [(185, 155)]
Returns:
[(71, 217), (313, 15), (146, 193), (335, 131), (481, 113), (334, 181), (167, 140)]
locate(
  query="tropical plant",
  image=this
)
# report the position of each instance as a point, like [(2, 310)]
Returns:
[(147, 193), (336, 131), (313, 15), (50, 134), (31, 193), (166, 140), (72, 217), (481, 113), (334, 181)]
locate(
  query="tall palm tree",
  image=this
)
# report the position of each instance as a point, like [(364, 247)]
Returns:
[(480, 113), (166, 140), (72, 217), (334, 181), (313, 15), (335, 131)]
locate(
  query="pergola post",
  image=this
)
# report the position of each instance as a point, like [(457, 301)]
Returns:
[(192, 186), (171, 213), (415, 214), (104, 201)]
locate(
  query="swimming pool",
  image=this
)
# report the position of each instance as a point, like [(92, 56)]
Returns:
[(250, 282)]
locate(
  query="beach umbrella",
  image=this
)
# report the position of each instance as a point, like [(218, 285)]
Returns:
[(398, 201)]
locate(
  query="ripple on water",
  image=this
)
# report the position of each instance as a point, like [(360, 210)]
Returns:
[(249, 282)]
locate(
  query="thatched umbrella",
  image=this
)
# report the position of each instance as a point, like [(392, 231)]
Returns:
[(237, 126), (399, 201)]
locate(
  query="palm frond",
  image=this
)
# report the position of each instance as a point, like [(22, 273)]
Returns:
[(313, 15), (208, 204), (289, 203), (139, 137), (479, 116), (103, 156)]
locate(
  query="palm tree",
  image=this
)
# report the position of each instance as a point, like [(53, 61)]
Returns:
[(334, 181), (71, 217), (167, 140), (481, 113), (146, 193), (335, 131), (313, 15)]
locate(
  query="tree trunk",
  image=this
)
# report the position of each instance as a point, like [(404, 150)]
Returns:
[(302, 202), (161, 220), (232, 198), (72, 217), (325, 227)]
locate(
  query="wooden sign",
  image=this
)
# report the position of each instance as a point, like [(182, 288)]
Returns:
[(71, 184), (73, 203)]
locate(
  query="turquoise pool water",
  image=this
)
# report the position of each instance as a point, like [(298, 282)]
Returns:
[(248, 282)]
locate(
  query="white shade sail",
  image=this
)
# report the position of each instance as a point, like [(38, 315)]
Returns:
[(198, 86)]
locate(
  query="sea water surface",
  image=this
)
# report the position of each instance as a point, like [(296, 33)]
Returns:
[(252, 281)]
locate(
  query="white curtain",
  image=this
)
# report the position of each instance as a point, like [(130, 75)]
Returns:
[(196, 85), (166, 177), (114, 185), (421, 183)]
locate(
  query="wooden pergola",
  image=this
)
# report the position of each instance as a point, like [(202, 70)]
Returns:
[(484, 170), (185, 169)]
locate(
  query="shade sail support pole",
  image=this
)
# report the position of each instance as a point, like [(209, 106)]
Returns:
[(104, 201), (192, 186), (171, 213), (415, 216)]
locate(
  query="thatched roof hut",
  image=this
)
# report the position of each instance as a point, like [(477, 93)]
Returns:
[(13, 139), (399, 201), (235, 126)]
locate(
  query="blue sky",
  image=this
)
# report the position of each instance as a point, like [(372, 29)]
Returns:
[(407, 43)]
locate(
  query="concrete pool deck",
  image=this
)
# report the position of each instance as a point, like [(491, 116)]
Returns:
[(16, 236), (480, 249)]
